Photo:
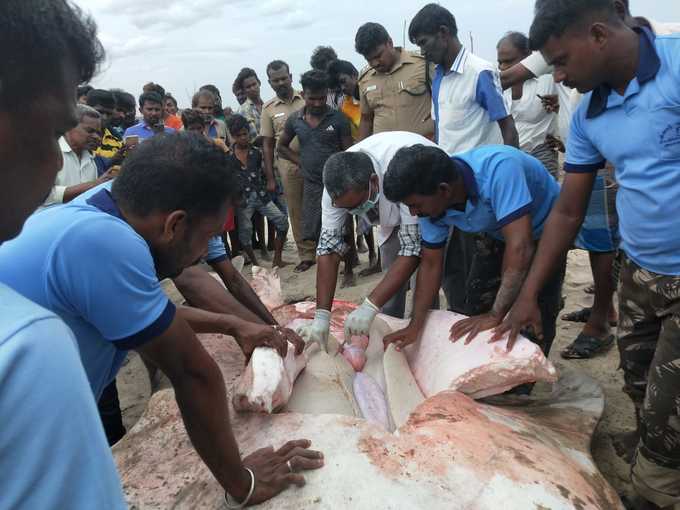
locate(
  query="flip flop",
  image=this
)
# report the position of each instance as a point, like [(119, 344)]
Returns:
[(586, 347), (581, 315)]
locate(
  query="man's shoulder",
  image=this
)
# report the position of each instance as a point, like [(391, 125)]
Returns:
[(478, 64), (271, 103), (18, 313), (412, 57), (366, 74)]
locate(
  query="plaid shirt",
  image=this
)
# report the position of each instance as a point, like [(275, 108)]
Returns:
[(253, 115), (333, 241)]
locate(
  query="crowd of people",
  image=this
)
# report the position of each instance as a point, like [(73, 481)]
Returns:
[(444, 167)]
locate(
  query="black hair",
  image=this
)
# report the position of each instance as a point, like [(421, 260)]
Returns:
[(83, 90), (518, 40), (123, 99), (418, 169), (236, 123), (554, 17), (321, 57), (202, 93), (171, 98), (191, 116), (154, 87), (212, 89), (179, 171), (37, 36), (244, 74), (369, 37), (151, 97), (429, 20), (338, 67), (314, 80), (101, 97), (275, 65)]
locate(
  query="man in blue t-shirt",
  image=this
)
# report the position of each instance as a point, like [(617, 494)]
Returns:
[(497, 190), (53, 452), (630, 117), (171, 197)]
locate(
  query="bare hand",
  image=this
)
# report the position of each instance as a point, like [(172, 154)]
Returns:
[(525, 314), (108, 175), (551, 103), (275, 471), (295, 339), (251, 335), (271, 186), (402, 338), (472, 326), (555, 143)]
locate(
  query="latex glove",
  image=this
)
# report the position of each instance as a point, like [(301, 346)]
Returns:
[(318, 330), (359, 321)]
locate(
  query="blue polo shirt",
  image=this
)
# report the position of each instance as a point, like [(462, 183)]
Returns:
[(503, 184), (639, 133), (83, 262), (53, 451), (143, 131)]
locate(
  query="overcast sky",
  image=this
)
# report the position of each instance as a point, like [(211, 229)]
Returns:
[(183, 44)]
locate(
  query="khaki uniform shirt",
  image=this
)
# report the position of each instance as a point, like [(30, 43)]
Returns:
[(400, 100), (275, 113)]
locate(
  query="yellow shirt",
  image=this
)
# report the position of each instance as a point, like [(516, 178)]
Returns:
[(352, 109)]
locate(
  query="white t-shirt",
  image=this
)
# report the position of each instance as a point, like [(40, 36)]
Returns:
[(381, 148), (533, 123), (53, 451), (75, 170)]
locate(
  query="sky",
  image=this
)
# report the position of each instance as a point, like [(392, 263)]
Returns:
[(183, 44)]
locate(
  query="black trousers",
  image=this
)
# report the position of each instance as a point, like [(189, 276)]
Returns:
[(110, 414)]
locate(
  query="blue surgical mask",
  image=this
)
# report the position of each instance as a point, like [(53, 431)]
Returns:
[(367, 206)]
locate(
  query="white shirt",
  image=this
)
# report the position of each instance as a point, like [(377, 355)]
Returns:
[(467, 104), (381, 148), (74, 171), (533, 123)]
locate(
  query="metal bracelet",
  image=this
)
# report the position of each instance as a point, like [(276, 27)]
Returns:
[(237, 506)]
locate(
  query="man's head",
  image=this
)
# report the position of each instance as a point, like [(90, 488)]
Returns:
[(578, 38), (239, 129), (102, 101), (81, 93), (47, 48), (170, 104), (124, 111), (154, 87), (315, 91), (375, 44), (248, 81), (322, 56), (218, 98), (280, 79), (151, 108), (204, 101), (175, 190), (343, 75), (512, 49), (194, 120), (434, 30), (350, 180), (238, 92), (425, 179), (87, 135)]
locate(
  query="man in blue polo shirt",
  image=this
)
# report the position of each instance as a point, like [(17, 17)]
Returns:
[(630, 116), (171, 196), (151, 108), (496, 189)]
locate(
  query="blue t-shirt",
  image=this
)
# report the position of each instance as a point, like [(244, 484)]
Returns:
[(503, 184), (143, 131), (83, 262), (639, 133), (53, 451)]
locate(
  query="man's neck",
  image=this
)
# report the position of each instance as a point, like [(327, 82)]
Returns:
[(454, 48), (288, 96), (257, 100), (624, 63)]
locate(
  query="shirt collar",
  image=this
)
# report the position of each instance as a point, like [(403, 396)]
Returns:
[(458, 63), (648, 66), (468, 179), (103, 201), (296, 95), (64, 146)]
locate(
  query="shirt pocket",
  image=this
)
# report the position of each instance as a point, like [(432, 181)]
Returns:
[(412, 89), (667, 122), (374, 96), (279, 123), (452, 116)]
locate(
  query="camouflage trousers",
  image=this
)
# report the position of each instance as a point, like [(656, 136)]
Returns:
[(649, 346)]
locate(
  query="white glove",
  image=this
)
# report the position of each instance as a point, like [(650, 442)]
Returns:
[(359, 321), (317, 330)]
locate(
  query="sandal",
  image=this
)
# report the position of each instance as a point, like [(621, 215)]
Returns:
[(586, 347), (581, 315), (304, 266)]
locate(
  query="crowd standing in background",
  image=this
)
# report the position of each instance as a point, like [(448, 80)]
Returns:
[(444, 167)]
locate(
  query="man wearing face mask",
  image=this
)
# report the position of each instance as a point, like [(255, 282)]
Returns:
[(353, 184)]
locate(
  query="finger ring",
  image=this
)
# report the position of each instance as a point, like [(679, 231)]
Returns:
[(290, 467)]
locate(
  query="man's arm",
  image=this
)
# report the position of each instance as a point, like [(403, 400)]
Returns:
[(509, 131), (427, 287), (515, 75), (326, 279), (519, 249), (268, 146), (284, 149), (202, 399), (559, 232), (366, 125)]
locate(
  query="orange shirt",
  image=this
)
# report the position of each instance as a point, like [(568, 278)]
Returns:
[(174, 122), (352, 109)]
